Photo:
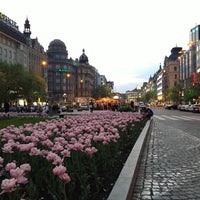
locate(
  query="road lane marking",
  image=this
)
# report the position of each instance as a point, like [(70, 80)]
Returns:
[(181, 118), (172, 118), (192, 118), (158, 117), (175, 117)]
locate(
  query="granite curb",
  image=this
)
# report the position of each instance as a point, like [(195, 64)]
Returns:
[(124, 185)]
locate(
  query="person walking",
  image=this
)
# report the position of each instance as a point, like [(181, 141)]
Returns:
[(91, 106)]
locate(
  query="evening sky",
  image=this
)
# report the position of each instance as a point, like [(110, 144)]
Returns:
[(125, 40)]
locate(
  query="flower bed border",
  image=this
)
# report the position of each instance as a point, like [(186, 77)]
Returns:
[(124, 185)]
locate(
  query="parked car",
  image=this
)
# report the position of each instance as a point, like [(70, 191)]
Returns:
[(63, 108), (191, 109), (171, 106), (184, 107), (84, 106), (195, 108)]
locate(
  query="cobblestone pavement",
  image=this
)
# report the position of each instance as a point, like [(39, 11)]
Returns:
[(170, 167)]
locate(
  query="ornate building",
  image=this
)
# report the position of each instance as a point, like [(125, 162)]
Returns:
[(13, 47), (60, 73), (36, 53), (17, 47), (85, 82), (70, 82), (170, 71)]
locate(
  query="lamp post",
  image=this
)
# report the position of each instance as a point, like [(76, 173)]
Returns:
[(44, 72), (68, 96)]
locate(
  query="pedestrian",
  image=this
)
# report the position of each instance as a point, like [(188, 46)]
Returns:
[(91, 106), (148, 113), (46, 109), (6, 107)]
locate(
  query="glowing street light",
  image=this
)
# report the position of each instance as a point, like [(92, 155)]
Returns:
[(44, 63), (44, 72), (68, 75)]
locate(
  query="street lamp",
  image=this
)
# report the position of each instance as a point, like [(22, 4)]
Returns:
[(44, 70), (44, 64), (81, 82), (68, 75), (68, 96)]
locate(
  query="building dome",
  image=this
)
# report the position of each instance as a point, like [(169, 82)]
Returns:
[(83, 59), (57, 47)]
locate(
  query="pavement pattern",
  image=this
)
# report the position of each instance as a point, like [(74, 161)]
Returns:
[(170, 165)]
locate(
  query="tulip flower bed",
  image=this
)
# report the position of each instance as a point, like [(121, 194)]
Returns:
[(66, 158)]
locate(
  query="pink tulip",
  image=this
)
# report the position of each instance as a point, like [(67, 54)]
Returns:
[(35, 151), (22, 180), (57, 161), (51, 156), (18, 174), (26, 147), (65, 177), (78, 146), (90, 151), (26, 167), (10, 166), (48, 143), (7, 148), (8, 185), (57, 147), (15, 173), (59, 170), (65, 153)]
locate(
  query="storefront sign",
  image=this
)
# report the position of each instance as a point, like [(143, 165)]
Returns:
[(65, 70)]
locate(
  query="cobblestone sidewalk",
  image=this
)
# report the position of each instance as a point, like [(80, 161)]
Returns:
[(170, 168)]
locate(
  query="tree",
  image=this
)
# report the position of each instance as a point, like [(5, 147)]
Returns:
[(174, 93), (148, 96), (16, 83), (191, 92), (35, 88), (102, 91)]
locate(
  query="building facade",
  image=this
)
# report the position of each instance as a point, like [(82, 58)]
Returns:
[(170, 71), (70, 82), (19, 48), (13, 47), (190, 60)]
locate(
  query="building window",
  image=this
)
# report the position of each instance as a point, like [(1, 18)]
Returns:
[(175, 76), (57, 66), (175, 68), (10, 54), (5, 52), (58, 80)]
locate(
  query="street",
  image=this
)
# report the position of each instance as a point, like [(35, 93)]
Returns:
[(170, 166), (185, 121)]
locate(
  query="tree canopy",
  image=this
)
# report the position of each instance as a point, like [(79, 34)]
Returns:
[(17, 83), (102, 91)]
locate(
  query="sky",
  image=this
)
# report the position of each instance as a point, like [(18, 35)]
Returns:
[(125, 40)]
